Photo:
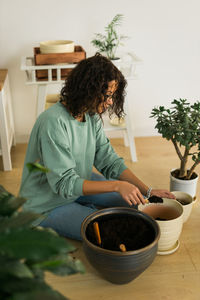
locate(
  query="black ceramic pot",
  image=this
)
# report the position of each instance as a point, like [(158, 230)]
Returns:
[(116, 266)]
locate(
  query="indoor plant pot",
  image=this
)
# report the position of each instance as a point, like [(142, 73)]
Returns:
[(57, 46), (117, 62), (169, 216), (188, 186), (108, 43), (186, 201), (181, 125), (116, 266)]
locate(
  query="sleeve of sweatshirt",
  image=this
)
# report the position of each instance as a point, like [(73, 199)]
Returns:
[(56, 154), (107, 161)]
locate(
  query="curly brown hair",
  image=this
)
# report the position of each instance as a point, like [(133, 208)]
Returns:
[(86, 86)]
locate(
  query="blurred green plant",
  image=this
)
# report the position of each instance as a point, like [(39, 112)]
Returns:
[(109, 42), (181, 125), (26, 253)]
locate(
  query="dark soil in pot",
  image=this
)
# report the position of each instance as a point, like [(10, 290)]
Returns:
[(134, 233), (183, 202), (161, 212), (175, 174)]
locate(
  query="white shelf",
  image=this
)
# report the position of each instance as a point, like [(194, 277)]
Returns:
[(28, 65)]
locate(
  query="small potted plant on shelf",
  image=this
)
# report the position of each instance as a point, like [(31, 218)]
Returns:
[(27, 253), (109, 42), (181, 125)]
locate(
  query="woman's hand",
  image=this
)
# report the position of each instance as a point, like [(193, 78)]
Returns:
[(130, 193), (162, 194)]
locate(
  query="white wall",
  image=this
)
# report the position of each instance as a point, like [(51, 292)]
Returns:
[(165, 34)]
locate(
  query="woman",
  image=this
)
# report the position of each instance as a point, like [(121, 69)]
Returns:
[(69, 139)]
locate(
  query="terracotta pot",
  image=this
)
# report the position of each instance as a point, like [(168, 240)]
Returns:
[(186, 201), (169, 216), (115, 266), (186, 186)]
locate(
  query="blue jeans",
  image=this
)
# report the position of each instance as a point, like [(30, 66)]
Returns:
[(66, 220)]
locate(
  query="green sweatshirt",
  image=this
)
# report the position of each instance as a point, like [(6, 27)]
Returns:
[(70, 149)]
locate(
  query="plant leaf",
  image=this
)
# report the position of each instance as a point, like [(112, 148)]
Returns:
[(14, 268), (36, 167), (36, 295), (181, 125), (61, 265), (109, 42), (29, 289), (20, 219), (35, 245), (9, 203)]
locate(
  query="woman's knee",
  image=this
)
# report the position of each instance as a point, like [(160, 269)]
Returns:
[(66, 220)]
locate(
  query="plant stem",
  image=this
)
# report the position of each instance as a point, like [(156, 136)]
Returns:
[(177, 149), (192, 169), (183, 169)]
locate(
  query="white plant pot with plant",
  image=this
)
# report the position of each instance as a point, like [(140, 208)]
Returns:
[(108, 43), (181, 125), (186, 186)]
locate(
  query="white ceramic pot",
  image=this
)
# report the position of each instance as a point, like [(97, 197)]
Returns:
[(58, 46), (117, 62), (172, 213), (187, 186), (186, 201)]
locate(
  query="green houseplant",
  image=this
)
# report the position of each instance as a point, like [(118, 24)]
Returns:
[(108, 43), (181, 125), (26, 253)]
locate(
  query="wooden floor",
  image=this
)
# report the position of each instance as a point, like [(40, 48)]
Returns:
[(172, 277)]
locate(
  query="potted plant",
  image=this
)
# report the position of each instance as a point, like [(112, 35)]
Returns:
[(170, 217), (186, 201), (27, 253), (109, 42), (181, 125), (120, 242)]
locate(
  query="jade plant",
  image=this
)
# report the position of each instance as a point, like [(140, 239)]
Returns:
[(181, 125), (26, 252), (109, 42)]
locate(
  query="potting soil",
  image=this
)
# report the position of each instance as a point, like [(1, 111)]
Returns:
[(132, 231)]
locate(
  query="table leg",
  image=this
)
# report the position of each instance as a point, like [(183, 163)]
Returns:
[(41, 98), (131, 140), (4, 134)]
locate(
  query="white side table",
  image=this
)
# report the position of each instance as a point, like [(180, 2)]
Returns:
[(28, 65), (7, 132)]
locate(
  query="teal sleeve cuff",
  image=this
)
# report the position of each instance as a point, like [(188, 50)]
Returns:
[(121, 169), (78, 187)]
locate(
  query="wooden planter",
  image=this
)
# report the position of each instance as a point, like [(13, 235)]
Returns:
[(57, 58)]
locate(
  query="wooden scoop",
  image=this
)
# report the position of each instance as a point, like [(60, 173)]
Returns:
[(97, 233), (122, 247)]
